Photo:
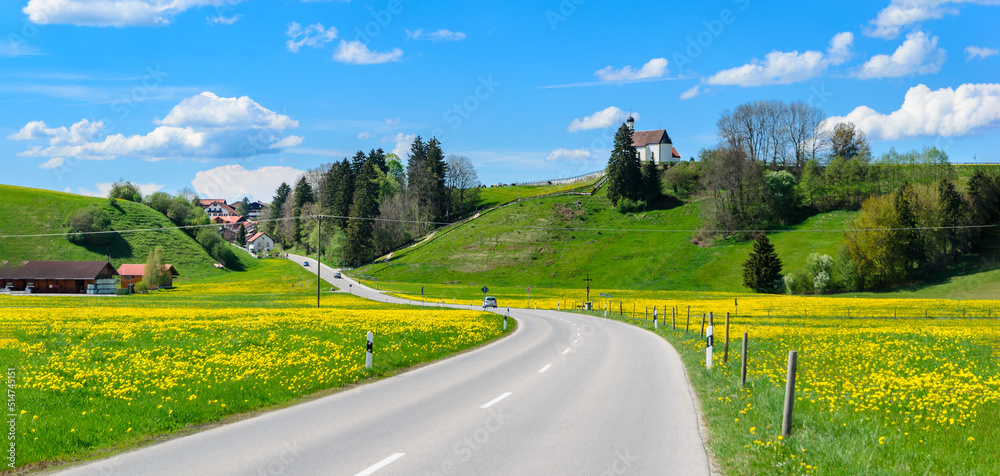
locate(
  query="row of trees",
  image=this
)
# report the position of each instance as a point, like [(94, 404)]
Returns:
[(775, 132), (377, 205)]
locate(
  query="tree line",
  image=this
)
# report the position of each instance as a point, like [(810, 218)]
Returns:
[(376, 204)]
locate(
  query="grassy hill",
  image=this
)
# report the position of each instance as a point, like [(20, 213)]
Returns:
[(28, 211), (556, 241)]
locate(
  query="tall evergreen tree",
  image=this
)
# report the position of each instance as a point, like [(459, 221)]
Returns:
[(241, 236), (303, 195), (908, 243), (762, 270), (437, 193), (650, 180), (280, 196), (624, 175), (359, 246), (357, 162), (417, 158), (378, 155)]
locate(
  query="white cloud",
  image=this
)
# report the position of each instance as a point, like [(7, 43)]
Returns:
[(439, 35), (234, 182), (104, 188), (202, 126), (118, 13), (356, 52), (313, 36), (979, 52), (918, 54), (653, 68), (900, 13), (365, 135), (53, 163), (945, 112), (611, 116), (403, 143), (781, 67), (690, 93), (223, 20), (568, 154)]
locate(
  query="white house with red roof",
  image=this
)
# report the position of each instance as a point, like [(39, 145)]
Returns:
[(655, 144), (260, 243), (217, 207)]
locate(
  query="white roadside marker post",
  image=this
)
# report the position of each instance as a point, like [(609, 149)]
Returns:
[(368, 352), (505, 318), (708, 347), (654, 319)]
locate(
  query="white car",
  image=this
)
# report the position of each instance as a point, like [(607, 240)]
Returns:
[(489, 301), (336, 275)]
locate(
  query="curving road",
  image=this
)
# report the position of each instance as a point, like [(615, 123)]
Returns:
[(564, 394)]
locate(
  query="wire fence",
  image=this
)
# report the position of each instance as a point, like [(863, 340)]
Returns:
[(561, 181)]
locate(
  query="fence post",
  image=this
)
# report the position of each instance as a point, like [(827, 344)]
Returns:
[(786, 417), (725, 351), (703, 324), (743, 367), (687, 327), (673, 317)]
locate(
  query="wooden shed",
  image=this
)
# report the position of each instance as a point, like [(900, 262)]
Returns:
[(132, 274), (72, 277)]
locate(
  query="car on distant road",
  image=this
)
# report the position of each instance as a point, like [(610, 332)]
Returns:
[(305, 263), (336, 275), (489, 301)]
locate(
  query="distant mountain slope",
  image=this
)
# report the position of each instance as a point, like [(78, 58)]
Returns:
[(28, 211)]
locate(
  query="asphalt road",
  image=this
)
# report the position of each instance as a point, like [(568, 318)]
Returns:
[(564, 394)]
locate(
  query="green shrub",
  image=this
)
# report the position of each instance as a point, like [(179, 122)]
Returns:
[(141, 288)]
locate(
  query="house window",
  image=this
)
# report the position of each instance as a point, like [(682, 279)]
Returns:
[(31, 284)]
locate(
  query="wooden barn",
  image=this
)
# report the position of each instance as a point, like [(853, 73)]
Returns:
[(67, 277)]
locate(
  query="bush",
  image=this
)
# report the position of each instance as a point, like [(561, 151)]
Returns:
[(797, 284), (141, 288), (86, 222), (626, 205)]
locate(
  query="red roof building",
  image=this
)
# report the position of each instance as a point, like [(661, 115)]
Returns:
[(68, 277), (132, 274)]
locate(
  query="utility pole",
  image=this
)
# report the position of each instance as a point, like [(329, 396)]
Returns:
[(319, 255), (588, 280)]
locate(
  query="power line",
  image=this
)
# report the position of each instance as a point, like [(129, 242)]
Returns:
[(548, 228)]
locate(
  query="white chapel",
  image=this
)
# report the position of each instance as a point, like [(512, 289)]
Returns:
[(655, 144)]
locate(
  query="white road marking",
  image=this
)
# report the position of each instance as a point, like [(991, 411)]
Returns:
[(495, 401), (381, 464), (545, 368)]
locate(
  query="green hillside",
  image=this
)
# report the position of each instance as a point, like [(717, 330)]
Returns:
[(28, 211), (556, 241)]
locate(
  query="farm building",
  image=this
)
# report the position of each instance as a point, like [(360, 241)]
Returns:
[(132, 274), (68, 277)]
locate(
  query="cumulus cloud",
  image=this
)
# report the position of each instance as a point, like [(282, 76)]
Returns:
[(356, 52), (611, 116), (201, 126), (972, 52), (223, 20), (439, 35), (568, 154), (104, 188), (365, 135), (313, 36), (901, 13), (234, 182), (918, 54), (118, 13), (654, 68), (690, 93), (944, 112), (780, 67), (403, 143), (53, 163)]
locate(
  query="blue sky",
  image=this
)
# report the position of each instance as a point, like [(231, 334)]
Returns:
[(232, 97)]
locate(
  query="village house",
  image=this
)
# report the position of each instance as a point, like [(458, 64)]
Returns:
[(260, 243), (255, 210), (132, 274), (655, 144), (66, 277), (216, 207)]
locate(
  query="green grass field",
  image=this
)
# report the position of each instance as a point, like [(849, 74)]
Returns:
[(873, 396), (490, 197), (96, 375), (26, 211), (555, 242)]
